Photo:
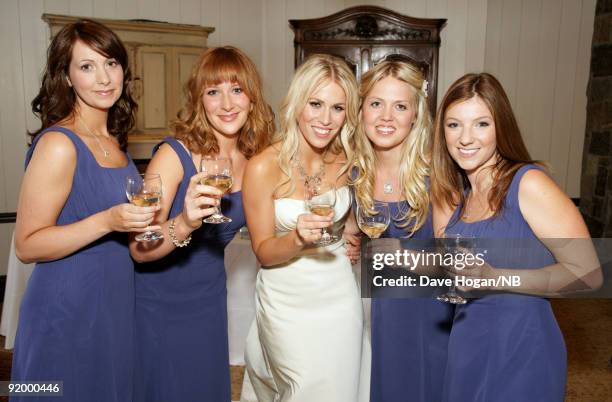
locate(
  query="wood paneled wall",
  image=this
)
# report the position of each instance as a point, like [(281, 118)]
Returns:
[(539, 49)]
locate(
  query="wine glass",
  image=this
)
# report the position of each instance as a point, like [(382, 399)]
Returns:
[(219, 175), (374, 225), (320, 200), (456, 243), (145, 190)]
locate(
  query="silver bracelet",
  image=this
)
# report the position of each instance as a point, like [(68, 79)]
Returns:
[(172, 234)]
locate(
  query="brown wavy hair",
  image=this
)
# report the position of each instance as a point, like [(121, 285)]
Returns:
[(450, 185), (217, 65), (56, 100)]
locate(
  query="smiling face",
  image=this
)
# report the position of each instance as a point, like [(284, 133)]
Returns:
[(227, 107), (469, 131), (388, 113), (96, 79), (323, 115)]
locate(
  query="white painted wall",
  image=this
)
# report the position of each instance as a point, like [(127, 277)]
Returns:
[(539, 49)]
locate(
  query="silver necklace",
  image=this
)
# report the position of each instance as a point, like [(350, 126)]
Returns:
[(104, 151), (314, 179)]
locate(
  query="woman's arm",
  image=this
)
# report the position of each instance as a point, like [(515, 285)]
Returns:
[(197, 204), (260, 179), (558, 224), (352, 237), (45, 188)]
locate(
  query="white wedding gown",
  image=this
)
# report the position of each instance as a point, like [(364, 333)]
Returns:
[(307, 343)]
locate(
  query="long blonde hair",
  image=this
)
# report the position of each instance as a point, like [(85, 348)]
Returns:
[(218, 65), (413, 168), (315, 72)]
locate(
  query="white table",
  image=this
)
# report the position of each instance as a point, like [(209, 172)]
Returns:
[(241, 266), (17, 277)]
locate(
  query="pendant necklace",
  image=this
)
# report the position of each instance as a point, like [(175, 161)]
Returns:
[(104, 151), (314, 179), (387, 187)]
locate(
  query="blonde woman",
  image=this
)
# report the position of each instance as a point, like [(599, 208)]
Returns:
[(409, 336), (306, 342)]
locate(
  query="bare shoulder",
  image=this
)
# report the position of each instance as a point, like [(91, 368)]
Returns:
[(264, 163), (536, 186), (168, 164), (56, 145), (547, 209), (166, 155), (54, 150)]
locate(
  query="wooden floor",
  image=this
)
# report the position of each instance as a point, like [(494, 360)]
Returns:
[(586, 326)]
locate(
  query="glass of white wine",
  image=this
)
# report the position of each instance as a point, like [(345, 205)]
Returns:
[(374, 225), (145, 190), (456, 243), (320, 200), (219, 175)]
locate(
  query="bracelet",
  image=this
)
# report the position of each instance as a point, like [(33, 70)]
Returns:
[(172, 234)]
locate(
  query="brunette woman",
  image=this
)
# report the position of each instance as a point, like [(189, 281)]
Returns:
[(76, 318), (505, 347)]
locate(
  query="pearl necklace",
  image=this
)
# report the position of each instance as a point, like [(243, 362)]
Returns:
[(104, 151)]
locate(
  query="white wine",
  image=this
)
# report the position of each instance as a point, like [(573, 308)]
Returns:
[(221, 181), (145, 199), (321, 210), (373, 229)]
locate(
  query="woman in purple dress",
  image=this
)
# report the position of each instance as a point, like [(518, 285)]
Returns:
[(504, 347), (76, 318), (409, 335), (181, 298)]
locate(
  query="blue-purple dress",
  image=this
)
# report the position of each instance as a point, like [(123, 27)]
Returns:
[(506, 348), (409, 338), (181, 310), (77, 314)]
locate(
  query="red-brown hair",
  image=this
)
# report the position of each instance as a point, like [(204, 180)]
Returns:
[(217, 65), (450, 185)]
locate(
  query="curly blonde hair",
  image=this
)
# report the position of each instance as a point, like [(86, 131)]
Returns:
[(414, 166), (217, 65), (315, 72)]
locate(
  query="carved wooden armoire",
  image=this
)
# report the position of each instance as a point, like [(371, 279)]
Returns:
[(366, 35)]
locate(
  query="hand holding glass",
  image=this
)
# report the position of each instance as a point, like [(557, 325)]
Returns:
[(145, 190), (456, 243), (320, 200), (374, 225), (219, 175)]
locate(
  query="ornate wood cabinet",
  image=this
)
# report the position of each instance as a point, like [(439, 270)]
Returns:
[(366, 35), (161, 58)]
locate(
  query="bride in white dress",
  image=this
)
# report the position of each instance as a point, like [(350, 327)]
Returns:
[(307, 341)]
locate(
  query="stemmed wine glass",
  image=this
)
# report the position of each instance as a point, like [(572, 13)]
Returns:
[(145, 190), (320, 200), (374, 225), (456, 243), (219, 175)]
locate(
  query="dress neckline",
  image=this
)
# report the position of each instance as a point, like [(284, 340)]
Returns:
[(302, 200), (129, 158)]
